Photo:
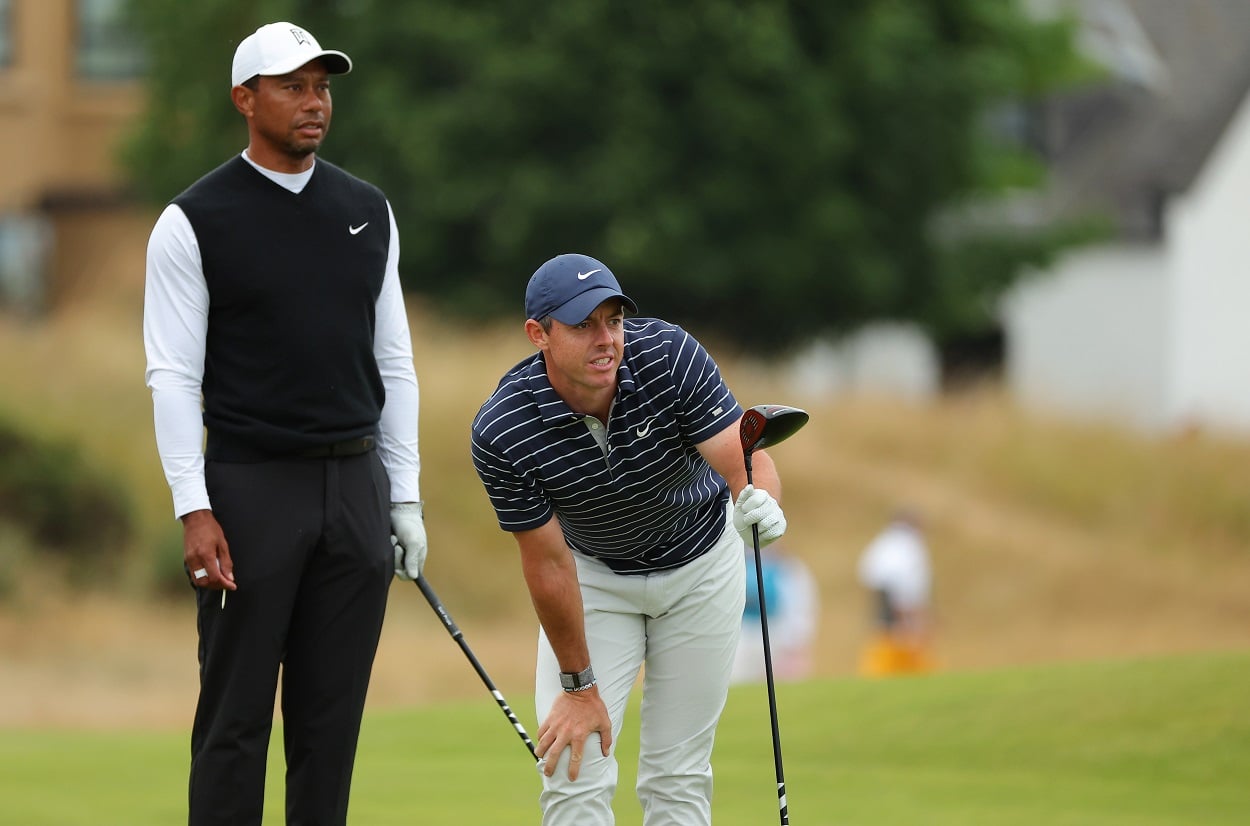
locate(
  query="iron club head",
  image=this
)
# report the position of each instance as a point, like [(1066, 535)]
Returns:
[(768, 424)]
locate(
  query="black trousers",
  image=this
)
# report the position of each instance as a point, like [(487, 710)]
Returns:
[(310, 541)]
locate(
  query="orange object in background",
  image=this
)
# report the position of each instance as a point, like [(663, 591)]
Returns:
[(886, 656)]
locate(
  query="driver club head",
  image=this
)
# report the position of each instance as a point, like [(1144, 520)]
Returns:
[(768, 424)]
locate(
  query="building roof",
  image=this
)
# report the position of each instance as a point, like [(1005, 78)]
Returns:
[(1178, 71)]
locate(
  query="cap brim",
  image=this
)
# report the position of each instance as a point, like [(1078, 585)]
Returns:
[(334, 61), (578, 309), (337, 63)]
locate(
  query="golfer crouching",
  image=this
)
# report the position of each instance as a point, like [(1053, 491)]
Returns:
[(612, 455)]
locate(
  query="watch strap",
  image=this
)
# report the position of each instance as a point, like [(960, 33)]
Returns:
[(577, 680)]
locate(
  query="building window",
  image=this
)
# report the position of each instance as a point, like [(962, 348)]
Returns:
[(107, 47), (6, 34), (25, 256)]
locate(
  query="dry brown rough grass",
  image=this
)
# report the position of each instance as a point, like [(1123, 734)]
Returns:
[(1052, 540)]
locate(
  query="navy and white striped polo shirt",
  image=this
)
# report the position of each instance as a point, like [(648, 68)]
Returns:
[(652, 503)]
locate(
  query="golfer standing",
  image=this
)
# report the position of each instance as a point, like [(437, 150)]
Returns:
[(611, 455), (273, 292)]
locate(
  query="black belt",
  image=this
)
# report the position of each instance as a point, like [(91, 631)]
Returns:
[(225, 448), (347, 447)]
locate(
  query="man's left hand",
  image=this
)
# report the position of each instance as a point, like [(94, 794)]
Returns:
[(756, 506), (408, 537)]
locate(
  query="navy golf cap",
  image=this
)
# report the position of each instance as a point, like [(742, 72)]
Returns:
[(569, 287)]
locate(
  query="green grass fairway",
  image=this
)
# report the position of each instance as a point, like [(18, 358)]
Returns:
[(1163, 741)]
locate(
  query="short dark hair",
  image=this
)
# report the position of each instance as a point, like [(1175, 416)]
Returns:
[(252, 83)]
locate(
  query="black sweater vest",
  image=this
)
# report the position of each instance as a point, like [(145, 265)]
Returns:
[(293, 282)]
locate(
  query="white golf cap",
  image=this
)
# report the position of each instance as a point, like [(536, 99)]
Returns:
[(278, 48)]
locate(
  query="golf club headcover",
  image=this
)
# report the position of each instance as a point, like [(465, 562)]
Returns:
[(408, 537), (756, 506)]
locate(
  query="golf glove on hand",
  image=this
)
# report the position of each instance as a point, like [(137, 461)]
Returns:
[(756, 506), (408, 537)]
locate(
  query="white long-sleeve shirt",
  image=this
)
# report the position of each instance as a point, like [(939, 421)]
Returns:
[(175, 326), (897, 562)]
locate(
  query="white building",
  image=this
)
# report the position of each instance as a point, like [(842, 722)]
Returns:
[(1153, 326)]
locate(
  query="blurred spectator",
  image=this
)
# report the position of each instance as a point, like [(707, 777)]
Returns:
[(791, 598), (895, 569)]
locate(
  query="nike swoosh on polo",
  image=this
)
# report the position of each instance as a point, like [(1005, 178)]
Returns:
[(582, 276), (643, 431), (356, 230)]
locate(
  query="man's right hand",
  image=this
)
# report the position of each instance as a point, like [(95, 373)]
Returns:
[(205, 552), (573, 716)]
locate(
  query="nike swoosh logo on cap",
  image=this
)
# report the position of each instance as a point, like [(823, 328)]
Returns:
[(582, 276), (356, 230)]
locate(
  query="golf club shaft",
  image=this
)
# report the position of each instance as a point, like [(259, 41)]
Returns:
[(458, 636), (784, 809)]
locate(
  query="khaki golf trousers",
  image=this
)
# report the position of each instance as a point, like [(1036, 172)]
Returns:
[(683, 626)]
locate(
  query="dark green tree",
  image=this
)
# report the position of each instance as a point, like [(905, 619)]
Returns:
[(764, 169)]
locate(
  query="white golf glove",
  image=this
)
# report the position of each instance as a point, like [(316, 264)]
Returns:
[(408, 537), (756, 506)]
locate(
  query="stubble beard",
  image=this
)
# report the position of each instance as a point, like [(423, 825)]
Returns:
[(299, 150)]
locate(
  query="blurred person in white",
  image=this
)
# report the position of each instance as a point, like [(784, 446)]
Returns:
[(895, 568), (793, 604)]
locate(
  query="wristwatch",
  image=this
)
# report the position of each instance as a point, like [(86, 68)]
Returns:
[(577, 680)]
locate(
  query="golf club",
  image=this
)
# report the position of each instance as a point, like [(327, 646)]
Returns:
[(458, 636), (762, 426)]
